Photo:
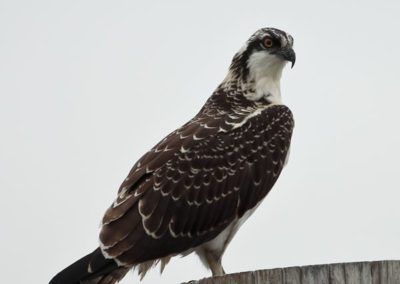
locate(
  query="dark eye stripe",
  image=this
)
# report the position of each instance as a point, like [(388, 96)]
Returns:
[(275, 38), (275, 42), (287, 39)]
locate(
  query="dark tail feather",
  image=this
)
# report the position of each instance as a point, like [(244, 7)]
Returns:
[(92, 268)]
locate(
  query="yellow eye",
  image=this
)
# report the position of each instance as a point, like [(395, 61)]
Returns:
[(268, 42)]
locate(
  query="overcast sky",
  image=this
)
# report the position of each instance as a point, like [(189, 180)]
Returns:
[(86, 87)]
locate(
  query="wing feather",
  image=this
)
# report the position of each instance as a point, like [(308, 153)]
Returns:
[(195, 182)]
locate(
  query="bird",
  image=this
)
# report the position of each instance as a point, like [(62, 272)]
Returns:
[(194, 189)]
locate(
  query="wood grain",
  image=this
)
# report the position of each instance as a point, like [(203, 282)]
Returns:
[(375, 272)]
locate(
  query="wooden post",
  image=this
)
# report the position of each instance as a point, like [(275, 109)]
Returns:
[(375, 272)]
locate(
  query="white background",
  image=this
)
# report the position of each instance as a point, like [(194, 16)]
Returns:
[(86, 87)]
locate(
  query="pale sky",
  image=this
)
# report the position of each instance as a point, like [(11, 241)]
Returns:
[(86, 87)]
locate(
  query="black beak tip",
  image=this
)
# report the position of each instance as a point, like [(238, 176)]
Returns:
[(289, 55), (292, 58)]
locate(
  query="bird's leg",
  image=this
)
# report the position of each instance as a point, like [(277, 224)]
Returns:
[(214, 262)]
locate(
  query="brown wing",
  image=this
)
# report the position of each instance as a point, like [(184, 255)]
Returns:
[(195, 182)]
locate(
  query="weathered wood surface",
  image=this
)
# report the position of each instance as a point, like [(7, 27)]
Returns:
[(375, 272)]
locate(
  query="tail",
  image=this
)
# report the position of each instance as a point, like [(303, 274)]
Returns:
[(93, 268)]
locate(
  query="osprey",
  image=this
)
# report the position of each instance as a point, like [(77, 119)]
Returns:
[(194, 189)]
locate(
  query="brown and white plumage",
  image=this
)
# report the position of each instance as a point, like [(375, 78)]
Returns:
[(193, 190)]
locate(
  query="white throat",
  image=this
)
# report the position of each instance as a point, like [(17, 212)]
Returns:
[(265, 73)]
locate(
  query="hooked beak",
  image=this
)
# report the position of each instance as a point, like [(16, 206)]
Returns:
[(288, 54)]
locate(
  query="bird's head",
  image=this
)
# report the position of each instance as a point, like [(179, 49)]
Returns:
[(261, 61)]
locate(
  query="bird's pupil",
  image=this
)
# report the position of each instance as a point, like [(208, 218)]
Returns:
[(268, 42)]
